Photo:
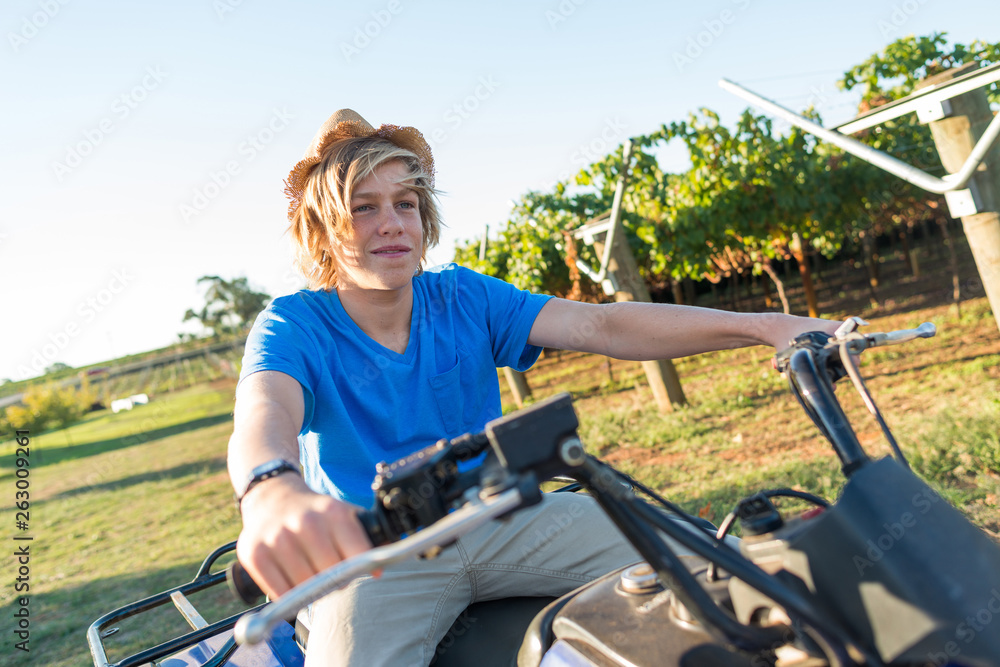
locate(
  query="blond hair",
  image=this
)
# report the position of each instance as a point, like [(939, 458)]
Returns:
[(324, 215)]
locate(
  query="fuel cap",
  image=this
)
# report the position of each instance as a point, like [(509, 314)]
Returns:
[(640, 578)]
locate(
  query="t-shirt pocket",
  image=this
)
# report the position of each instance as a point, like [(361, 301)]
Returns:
[(447, 388), (462, 392)]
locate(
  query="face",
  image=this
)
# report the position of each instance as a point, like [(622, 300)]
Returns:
[(388, 240)]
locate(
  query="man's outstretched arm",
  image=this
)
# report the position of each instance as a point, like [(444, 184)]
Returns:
[(642, 331)]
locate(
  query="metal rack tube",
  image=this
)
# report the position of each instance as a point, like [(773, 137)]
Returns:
[(907, 172)]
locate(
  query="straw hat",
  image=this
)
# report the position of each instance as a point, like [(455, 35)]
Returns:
[(346, 124)]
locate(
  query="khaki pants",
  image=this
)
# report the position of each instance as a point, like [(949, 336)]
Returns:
[(399, 618)]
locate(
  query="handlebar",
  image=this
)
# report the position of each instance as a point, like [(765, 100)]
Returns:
[(815, 361), (427, 500), (855, 341), (410, 494), (925, 330)]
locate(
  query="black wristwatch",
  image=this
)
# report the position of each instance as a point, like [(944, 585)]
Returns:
[(265, 471)]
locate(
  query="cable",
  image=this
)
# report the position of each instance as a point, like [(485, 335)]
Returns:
[(696, 521), (727, 523), (859, 384)]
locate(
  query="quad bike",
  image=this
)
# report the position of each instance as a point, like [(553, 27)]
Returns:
[(890, 574)]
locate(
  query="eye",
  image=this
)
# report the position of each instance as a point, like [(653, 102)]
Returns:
[(408, 204), (361, 209)]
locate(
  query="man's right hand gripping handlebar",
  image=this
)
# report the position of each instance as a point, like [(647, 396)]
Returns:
[(291, 533)]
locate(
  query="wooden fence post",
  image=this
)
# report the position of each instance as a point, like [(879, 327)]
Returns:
[(954, 137), (518, 385), (660, 373)]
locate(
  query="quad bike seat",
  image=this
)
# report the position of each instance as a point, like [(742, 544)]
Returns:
[(487, 634)]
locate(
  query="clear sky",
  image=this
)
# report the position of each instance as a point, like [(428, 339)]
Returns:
[(144, 144)]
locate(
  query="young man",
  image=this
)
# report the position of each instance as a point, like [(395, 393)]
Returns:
[(378, 359)]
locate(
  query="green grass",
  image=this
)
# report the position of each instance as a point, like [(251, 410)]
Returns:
[(122, 506), (742, 431)]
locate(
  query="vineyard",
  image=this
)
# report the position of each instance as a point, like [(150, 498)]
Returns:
[(129, 503), (155, 379), (842, 291), (752, 200), (61, 399)]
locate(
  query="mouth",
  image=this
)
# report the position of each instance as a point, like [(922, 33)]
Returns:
[(391, 251)]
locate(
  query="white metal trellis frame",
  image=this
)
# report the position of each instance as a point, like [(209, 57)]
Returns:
[(930, 104), (602, 276)]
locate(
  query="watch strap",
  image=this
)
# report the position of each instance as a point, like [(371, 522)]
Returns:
[(264, 472)]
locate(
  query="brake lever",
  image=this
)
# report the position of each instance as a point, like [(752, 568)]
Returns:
[(849, 326)]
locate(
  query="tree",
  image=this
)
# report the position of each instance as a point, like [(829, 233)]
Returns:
[(750, 196), (895, 71), (51, 407), (230, 305), (56, 367), (530, 251)]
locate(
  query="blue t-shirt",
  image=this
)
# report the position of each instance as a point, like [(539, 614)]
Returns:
[(365, 403)]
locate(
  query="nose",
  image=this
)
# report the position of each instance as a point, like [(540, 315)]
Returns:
[(391, 223)]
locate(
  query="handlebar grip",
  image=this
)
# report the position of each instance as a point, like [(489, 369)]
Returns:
[(925, 330), (242, 584), (377, 535), (815, 339)]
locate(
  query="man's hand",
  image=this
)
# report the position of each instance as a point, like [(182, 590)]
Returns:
[(291, 533), (785, 328)]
